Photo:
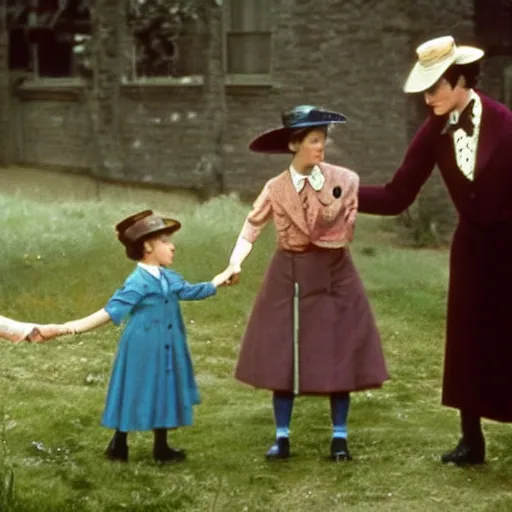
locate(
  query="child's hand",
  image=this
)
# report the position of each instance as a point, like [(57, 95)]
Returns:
[(220, 279), (42, 333), (234, 274), (225, 277)]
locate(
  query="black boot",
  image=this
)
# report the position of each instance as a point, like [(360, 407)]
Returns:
[(339, 450), (471, 447), (117, 449), (465, 454), (279, 450), (162, 452)]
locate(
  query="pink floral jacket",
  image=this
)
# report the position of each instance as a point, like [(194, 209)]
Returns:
[(324, 218)]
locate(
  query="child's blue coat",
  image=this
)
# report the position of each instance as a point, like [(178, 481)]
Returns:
[(152, 383)]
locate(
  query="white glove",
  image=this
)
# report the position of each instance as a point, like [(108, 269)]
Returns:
[(240, 252), (88, 323)]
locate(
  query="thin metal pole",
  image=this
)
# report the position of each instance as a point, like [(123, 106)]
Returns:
[(296, 376)]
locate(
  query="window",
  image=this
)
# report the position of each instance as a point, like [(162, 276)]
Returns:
[(166, 41), (493, 26), (54, 57), (175, 52), (247, 37), (19, 51), (43, 35)]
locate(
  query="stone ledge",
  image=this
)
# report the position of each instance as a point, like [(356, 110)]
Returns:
[(133, 88), (53, 89), (71, 89), (254, 80), (50, 89)]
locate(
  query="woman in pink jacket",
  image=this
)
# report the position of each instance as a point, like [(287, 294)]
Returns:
[(311, 330)]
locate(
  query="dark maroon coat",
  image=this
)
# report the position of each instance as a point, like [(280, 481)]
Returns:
[(478, 357)]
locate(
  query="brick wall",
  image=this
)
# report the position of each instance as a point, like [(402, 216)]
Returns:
[(54, 132), (352, 56), (161, 132), (4, 88)]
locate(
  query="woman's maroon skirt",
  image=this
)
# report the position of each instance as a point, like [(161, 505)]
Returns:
[(339, 345)]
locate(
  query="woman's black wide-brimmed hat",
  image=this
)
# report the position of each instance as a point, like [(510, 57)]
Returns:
[(302, 116)]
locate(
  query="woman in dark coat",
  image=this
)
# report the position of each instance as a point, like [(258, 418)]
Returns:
[(469, 137)]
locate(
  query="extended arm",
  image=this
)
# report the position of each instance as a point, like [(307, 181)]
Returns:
[(88, 323), (251, 230), (397, 195), (198, 291)]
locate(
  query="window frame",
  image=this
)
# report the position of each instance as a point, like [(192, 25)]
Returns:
[(243, 78), (236, 80)]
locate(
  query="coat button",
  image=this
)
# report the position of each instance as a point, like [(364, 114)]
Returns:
[(166, 347), (166, 301), (472, 195), (169, 326)]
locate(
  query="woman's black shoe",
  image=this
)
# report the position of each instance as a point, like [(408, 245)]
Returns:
[(279, 450), (465, 454), (339, 450)]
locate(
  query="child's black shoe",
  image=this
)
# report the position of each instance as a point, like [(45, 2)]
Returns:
[(166, 454), (117, 450)]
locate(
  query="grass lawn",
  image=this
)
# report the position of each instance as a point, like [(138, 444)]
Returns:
[(62, 261)]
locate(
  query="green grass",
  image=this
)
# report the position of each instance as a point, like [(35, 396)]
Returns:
[(62, 261)]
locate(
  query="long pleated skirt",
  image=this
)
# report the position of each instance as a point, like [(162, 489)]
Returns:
[(311, 329)]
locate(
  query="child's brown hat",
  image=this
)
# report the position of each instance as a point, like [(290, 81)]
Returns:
[(140, 225)]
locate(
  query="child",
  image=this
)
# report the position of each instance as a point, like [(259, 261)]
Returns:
[(311, 330), (152, 386)]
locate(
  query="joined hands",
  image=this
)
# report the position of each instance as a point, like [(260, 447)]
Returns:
[(228, 277)]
